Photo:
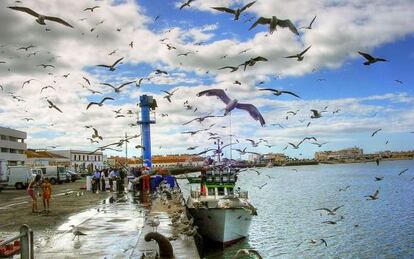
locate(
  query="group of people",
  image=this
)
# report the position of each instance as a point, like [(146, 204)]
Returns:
[(99, 178), (141, 178), (46, 187)]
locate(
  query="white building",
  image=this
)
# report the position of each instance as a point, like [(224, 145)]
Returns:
[(82, 160), (12, 146)]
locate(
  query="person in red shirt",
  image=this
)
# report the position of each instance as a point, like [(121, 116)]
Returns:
[(47, 192), (30, 191)]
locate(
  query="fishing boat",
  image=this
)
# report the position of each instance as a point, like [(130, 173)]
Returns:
[(221, 211)]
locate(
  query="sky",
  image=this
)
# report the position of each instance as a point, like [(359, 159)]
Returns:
[(356, 99)]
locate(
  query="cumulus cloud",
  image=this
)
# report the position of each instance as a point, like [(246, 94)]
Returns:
[(339, 31)]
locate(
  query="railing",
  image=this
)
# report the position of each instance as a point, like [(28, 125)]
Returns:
[(26, 242)]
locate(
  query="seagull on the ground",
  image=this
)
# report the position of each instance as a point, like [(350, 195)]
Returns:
[(300, 56), (236, 12), (278, 92), (234, 104), (274, 22), (111, 67), (40, 18), (370, 59), (100, 103), (76, 232)]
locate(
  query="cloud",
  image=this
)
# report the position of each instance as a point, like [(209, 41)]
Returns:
[(339, 31)]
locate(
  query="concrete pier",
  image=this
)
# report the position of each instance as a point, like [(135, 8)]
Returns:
[(184, 247)]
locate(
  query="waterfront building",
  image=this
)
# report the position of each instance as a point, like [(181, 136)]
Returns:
[(254, 158), (81, 160), (275, 158), (12, 146), (45, 158), (177, 161), (353, 153)]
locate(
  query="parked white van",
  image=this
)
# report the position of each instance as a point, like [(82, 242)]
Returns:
[(56, 174), (19, 176), (3, 174)]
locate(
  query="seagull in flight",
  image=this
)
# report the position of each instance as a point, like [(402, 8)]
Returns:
[(310, 25), (234, 104), (100, 103), (117, 89), (300, 56), (52, 105), (370, 59), (201, 119), (278, 92), (236, 12), (374, 196), (40, 18), (316, 114), (261, 186), (253, 61), (111, 67), (186, 4), (91, 8), (331, 212), (378, 178), (169, 95), (233, 69), (375, 132), (274, 22), (403, 171)]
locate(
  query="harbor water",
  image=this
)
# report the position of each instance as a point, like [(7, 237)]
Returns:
[(289, 225)]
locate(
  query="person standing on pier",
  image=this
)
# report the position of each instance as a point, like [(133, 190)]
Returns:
[(97, 176), (103, 183), (146, 180), (30, 190), (46, 194)]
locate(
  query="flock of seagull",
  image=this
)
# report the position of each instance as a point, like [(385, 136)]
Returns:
[(229, 104)]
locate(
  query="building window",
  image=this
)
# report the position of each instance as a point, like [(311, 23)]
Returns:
[(3, 137), (211, 191), (4, 150), (83, 157), (220, 190)]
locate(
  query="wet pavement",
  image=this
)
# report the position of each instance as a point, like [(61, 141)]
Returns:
[(112, 230)]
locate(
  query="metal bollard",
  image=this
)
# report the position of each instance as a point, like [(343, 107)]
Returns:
[(24, 242)]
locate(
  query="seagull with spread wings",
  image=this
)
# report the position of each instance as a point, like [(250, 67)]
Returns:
[(251, 62), (52, 105), (117, 89), (300, 56), (241, 253), (279, 92), (100, 103), (236, 12), (91, 8), (40, 18), (201, 119), (370, 59), (375, 132), (111, 67), (331, 211), (234, 104), (169, 94), (274, 22), (310, 25), (186, 4)]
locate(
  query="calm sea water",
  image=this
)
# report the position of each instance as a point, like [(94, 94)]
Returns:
[(287, 215)]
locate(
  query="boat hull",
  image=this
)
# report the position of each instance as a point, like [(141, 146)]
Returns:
[(225, 226)]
